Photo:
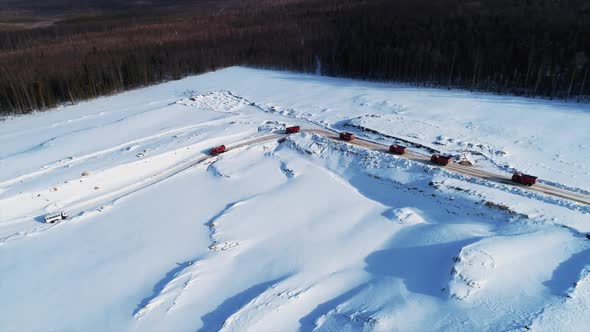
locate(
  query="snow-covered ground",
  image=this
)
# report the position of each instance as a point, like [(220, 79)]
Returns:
[(298, 234)]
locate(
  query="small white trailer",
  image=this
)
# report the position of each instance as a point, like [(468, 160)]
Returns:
[(51, 218)]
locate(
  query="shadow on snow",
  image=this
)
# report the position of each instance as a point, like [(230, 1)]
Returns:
[(568, 273), (159, 286), (214, 320)]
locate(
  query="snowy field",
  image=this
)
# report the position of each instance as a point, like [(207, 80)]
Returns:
[(304, 233)]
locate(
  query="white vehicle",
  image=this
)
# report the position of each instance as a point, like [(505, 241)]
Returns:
[(51, 218)]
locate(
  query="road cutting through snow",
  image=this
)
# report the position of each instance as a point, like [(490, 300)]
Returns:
[(462, 169), (98, 201), (456, 168)]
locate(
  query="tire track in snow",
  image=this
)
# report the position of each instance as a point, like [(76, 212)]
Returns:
[(69, 161), (75, 131), (111, 198)]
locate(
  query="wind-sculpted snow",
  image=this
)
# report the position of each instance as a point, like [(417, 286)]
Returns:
[(482, 266), (570, 314), (167, 292), (291, 233), (373, 159)]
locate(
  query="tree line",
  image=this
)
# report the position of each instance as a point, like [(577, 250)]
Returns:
[(523, 47)]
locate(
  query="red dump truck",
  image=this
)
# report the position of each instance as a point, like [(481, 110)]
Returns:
[(217, 150), (346, 136), (292, 130), (440, 159), (527, 180), (397, 149)]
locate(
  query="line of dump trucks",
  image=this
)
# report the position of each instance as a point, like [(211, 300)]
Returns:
[(438, 159)]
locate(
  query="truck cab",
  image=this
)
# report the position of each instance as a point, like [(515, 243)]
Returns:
[(292, 130), (397, 149), (440, 159), (345, 136), (526, 179), (217, 150)]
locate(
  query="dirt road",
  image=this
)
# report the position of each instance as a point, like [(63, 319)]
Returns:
[(100, 200), (463, 169)]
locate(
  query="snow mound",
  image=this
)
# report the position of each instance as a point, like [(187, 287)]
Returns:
[(406, 216), (508, 264)]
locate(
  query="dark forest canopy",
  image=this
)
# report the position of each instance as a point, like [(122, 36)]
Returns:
[(63, 51)]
